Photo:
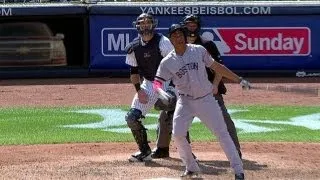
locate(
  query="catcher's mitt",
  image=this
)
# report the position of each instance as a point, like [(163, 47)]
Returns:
[(160, 105)]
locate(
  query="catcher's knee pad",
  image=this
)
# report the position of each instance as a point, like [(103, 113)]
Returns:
[(133, 119)]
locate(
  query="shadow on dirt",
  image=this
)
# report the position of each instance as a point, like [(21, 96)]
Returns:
[(247, 164), (207, 167)]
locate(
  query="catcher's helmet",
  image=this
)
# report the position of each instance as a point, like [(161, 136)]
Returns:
[(145, 28), (192, 19)]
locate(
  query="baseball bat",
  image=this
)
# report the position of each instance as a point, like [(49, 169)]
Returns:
[(292, 89)]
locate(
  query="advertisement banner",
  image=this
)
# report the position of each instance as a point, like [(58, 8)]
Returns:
[(245, 42)]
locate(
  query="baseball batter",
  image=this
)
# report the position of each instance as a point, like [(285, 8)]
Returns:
[(186, 67), (193, 26)]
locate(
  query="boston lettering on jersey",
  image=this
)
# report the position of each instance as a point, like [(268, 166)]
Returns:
[(184, 69)]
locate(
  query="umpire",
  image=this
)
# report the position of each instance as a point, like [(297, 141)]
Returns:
[(193, 26), (164, 129)]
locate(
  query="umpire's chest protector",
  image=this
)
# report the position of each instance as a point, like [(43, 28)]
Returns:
[(148, 56)]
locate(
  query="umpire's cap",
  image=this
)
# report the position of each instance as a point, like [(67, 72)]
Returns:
[(175, 27)]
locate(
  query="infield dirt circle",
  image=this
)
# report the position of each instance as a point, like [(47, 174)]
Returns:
[(262, 161)]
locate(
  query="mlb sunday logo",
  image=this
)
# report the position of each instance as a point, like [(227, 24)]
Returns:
[(231, 41), (262, 41)]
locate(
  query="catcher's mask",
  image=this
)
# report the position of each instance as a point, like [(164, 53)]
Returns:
[(192, 19), (145, 24)]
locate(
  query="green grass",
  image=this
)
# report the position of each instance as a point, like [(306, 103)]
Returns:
[(45, 125)]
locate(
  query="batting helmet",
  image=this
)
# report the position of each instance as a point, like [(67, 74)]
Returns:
[(177, 27), (192, 19), (143, 18)]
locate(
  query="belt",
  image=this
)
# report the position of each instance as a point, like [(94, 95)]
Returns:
[(187, 95)]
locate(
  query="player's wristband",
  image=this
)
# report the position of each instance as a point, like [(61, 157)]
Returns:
[(137, 87), (157, 84)]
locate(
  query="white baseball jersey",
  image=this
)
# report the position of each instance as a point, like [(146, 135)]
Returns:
[(188, 71)]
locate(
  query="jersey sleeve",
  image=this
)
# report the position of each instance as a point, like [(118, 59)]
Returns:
[(163, 72), (131, 60), (165, 46), (207, 59)]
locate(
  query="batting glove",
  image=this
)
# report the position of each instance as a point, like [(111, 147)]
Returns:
[(245, 84)]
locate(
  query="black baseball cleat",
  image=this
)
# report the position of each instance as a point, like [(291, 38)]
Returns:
[(140, 157), (160, 153), (189, 175), (239, 176)]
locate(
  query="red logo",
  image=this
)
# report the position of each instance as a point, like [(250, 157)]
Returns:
[(265, 41)]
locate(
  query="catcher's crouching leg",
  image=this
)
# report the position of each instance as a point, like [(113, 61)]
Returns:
[(139, 133)]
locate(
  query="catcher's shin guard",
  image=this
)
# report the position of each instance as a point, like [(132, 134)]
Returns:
[(139, 133), (142, 141)]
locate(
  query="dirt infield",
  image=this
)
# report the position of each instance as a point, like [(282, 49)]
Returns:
[(109, 160)]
